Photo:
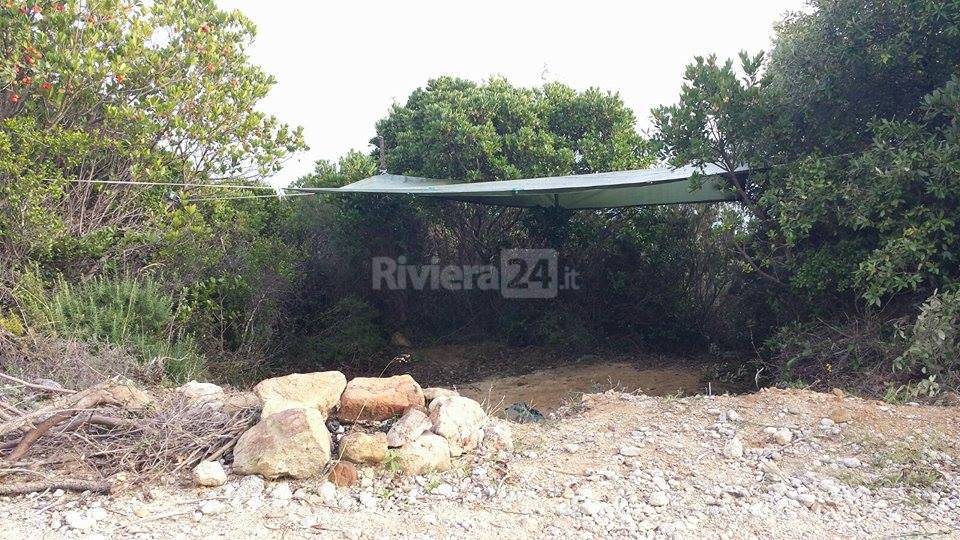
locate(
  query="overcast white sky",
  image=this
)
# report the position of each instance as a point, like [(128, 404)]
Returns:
[(341, 64)]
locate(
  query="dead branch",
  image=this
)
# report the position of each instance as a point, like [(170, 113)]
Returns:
[(31, 437), (64, 484), (35, 386), (96, 394)]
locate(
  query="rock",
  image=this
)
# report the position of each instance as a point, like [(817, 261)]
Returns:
[(497, 436), (209, 474), (458, 419), (240, 401), (433, 393), (428, 453), (733, 416), (343, 474), (201, 392), (320, 391), (826, 423), (282, 492), (408, 428), (361, 447), (838, 393), (591, 507), (523, 413), (783, 436), (806, 499), (851, 462), (443, 490), (571, 448), (733, 448), (630, 451), (78, 521), (212, 507), (294, 443), (328, 492), (658, 498), (841, 415), (377, 399)]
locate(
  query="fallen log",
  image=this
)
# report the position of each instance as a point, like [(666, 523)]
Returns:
[(65, 484)]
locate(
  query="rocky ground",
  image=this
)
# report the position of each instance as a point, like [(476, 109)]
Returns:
[(778, 463)]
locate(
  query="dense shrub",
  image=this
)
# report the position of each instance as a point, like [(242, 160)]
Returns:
[(134, 314)]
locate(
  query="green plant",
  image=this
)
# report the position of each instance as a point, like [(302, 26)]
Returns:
[(132, 313), (934, 342)]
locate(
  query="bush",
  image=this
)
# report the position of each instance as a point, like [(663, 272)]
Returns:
[(131, 313), (832, 353), (934, 341)]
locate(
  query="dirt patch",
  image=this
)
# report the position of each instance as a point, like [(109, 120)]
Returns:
[(452, 365), (547, 389)]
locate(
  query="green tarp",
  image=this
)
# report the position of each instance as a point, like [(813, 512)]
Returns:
[(601, 190)]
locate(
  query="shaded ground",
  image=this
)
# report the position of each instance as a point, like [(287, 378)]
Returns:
[(612, 465)]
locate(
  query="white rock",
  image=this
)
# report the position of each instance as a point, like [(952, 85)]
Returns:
[(733, 416), (328, 491), (591, 507), (733, 448), (201, 392), (443, 490), (282, 492), (77, 521), (209, 474), (630, 451), (428, 453), (851, 462), (212, 507), (658, 498), (408, 428), (458, 419), (783, 436), (571, 448)]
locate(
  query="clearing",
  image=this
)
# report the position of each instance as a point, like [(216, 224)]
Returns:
[(614, 464)]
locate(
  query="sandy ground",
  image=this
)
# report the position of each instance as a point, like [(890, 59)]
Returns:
[(612, 465)]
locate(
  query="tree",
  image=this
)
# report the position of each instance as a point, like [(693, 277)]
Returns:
[(122, 90)]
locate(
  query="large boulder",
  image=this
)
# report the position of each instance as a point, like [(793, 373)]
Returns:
[(359, 447), (429, 453), (408, 428), (376, 398), (320, 391), (460, 420), (293, 443)]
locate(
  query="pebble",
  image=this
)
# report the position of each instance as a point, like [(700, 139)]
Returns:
[(658, 498), (212, 507), (443, 490), (630, 451), (783, 436), (78, 521), (851, 462), (733, 416), (282, 492), (733, 448)]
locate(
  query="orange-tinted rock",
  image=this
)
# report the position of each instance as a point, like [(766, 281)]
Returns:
[(343, 474), (370, 398)]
